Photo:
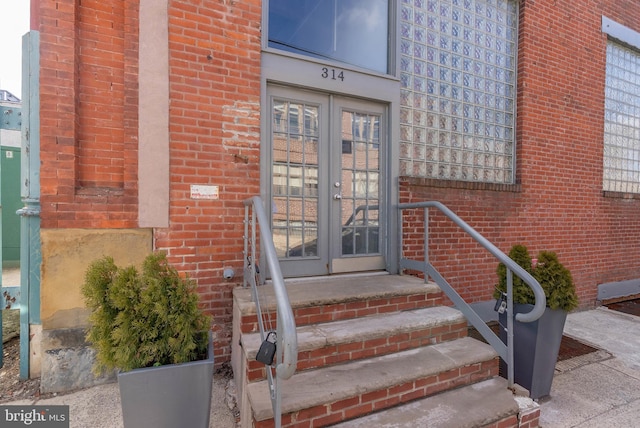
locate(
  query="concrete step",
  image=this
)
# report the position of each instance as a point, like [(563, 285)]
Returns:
[(320, 300), (333, 394), (483, 404), (339, 341)]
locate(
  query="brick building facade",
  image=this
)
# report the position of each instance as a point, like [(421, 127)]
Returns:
[(140, 101)]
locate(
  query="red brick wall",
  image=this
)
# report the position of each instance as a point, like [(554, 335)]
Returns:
[(88, 113), (89, 159), (89, 125), (214, 63), (100, 94), (558, 203)]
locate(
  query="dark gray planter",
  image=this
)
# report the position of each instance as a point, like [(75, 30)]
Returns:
[(536, 347), (171, 396)]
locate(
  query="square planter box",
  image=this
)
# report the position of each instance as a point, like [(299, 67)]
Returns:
[(536, 346), (170, 396)]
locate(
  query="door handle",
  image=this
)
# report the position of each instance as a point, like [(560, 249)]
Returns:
[(337, 196)]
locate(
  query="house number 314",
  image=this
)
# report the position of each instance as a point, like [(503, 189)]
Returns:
[(332, 73)]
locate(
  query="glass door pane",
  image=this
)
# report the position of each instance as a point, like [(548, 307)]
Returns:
[(324, 180), (360, 172), (295, 134)]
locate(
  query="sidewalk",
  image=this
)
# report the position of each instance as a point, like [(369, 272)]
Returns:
[(598, 390), (99, 407), (598, 394)]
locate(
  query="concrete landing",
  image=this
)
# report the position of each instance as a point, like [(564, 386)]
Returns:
[(334, 289)]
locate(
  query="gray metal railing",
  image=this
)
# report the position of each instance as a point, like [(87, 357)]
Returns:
[(255, 219), (505, 351)]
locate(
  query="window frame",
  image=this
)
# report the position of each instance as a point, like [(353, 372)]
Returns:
[(501, 166), (620, 32), (626, 38), (392, 50)]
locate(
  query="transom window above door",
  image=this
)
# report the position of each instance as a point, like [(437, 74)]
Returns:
[(351, 31)]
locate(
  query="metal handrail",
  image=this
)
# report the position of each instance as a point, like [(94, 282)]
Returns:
[(505, 351), (286, 335)]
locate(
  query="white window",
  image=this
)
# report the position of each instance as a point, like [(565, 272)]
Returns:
[(458, 77), (622, 119)]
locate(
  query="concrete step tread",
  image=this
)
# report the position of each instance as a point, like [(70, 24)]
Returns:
[(335, 289), (329, 384), (470, 406), (317, 336)]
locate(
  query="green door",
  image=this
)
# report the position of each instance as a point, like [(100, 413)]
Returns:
[(11, 202)]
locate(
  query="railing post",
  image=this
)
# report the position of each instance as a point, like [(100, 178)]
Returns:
[(277, 403), (254, 270), (400, 243), (426, 242), (246, 246), (510, 371)]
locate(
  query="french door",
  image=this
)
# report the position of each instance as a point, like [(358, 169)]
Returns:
[(326, 163)]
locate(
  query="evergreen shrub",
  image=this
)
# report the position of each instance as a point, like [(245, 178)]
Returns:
[(143, 318), (554, 278)]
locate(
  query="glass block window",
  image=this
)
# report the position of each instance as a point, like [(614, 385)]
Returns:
[(622, 120), (458, 76)]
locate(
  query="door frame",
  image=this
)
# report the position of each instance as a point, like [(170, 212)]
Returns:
[(340, 263), (320, 264), (298, 73), (334, 191)]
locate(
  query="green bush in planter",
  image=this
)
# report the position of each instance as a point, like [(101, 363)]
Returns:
[(556, 281), (521, 291), (143, 318), (554, 278)]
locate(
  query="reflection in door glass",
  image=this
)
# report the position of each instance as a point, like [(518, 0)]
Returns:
[(295, 179), (360, 185)]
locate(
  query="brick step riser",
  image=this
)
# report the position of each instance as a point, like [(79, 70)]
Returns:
[(348, 310), (531, 420), (356, 350), (353, 407), (508, 422)]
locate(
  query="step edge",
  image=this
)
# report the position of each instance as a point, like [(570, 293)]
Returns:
[(316, 336), (306, 293), (440, 353)]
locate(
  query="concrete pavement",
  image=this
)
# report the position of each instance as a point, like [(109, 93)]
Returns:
[(99, 407), (598, 392), (600, 389)]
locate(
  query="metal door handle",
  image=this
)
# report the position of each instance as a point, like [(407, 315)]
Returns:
[(337, 196)]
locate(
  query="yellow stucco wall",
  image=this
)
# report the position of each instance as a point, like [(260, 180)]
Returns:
[(66, 254)]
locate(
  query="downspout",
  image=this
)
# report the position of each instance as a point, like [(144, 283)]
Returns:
[(30, 251)]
